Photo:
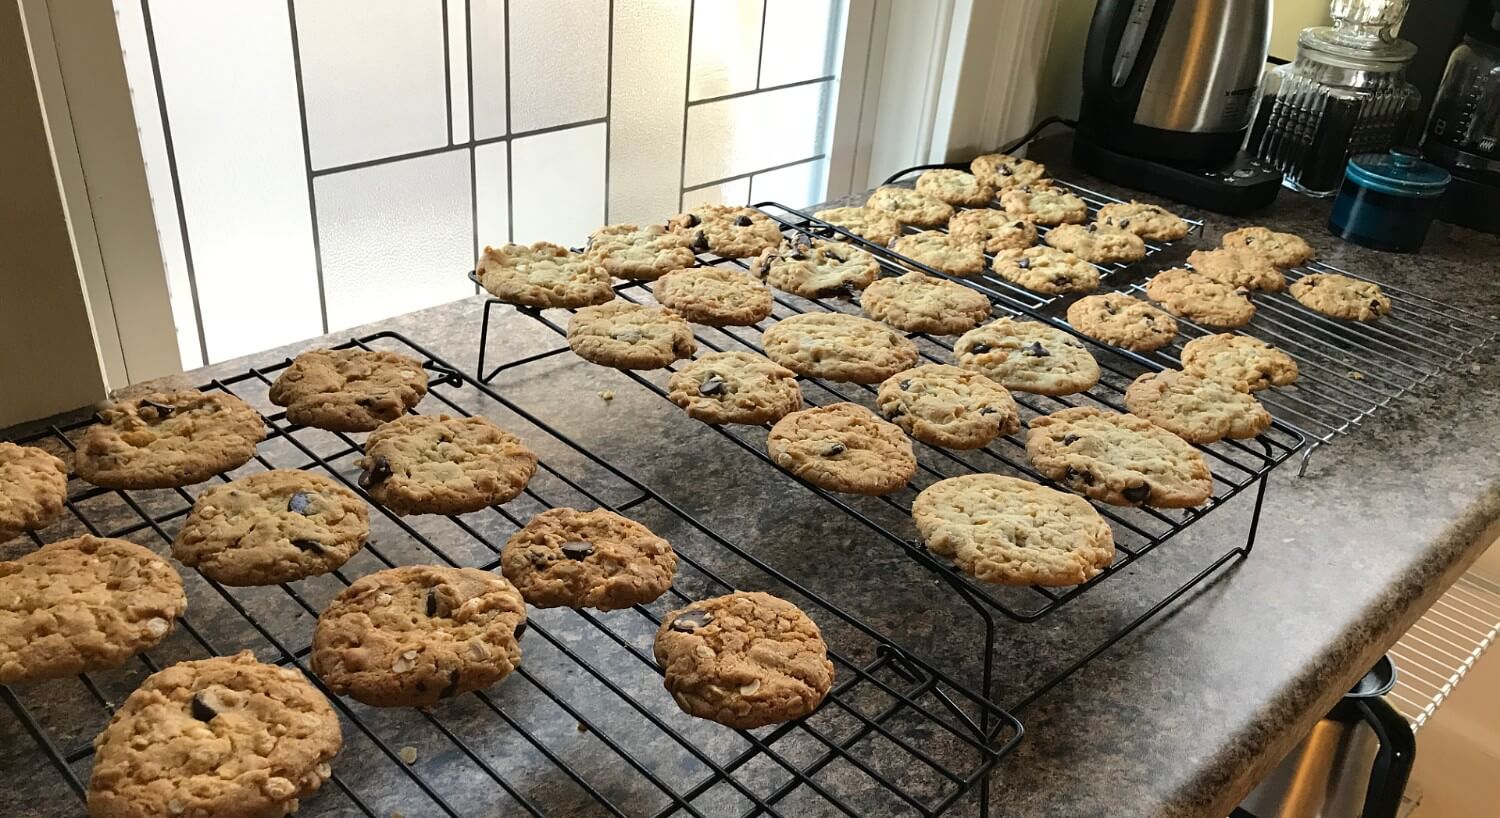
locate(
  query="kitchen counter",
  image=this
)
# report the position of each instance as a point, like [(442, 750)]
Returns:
[(1183, 716)]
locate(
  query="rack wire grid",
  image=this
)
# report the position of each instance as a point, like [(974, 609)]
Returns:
[(1442, 647), (584, 726)]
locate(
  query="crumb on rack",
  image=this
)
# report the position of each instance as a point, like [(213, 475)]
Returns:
[(1356, 375), (607, 394), (409, 754)]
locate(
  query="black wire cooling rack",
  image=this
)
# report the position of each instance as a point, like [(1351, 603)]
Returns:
[(583, 727)]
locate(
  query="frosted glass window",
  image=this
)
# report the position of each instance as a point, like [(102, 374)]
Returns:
[(745, 134), (487, 41), (493, 186), (726, 47), (736, 192), (395, 237), (563, 77), (645, 146), (795, 186), (372, 71), (800, 40), (559, 185), (458, 68)]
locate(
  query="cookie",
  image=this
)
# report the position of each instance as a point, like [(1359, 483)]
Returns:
[(1118, 319), (436, 464), (349, 390), (947, 406), (1002, 171), (1248, 364), (1098, 244), (838, 347), (83, 604), (414, 635), (843, 447), (955, 187), (1201, 299), (566, 558), (1013, 532), (745, 660), (911, 207), (942, 252), (630, 336), (1122, 460), (816, 268), (921, 303), (1045, 204), (1047, 270), (715, 296), (874, 226), (994, 230), (727, 231), (272, 527), (33, 488), (735, 387), (227, 736), (1148, 221), (1281, 249), (168, 439), (1340, 296), (1027, 356), (1196, 409), (640, 253), (1238, 267), (544, 275)]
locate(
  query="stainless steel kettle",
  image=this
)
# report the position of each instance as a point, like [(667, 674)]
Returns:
[(1354, 763)]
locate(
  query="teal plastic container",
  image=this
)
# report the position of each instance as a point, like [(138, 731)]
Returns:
[(1388, 200)]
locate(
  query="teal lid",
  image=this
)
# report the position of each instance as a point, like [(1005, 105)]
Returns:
[(1400, 173)]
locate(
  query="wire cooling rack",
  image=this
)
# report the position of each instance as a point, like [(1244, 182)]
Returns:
[(583, 727)]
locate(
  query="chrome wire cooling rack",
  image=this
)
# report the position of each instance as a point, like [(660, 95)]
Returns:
[(583, 727)]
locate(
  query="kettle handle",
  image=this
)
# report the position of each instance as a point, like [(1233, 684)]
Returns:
[(1105, 32), (1393, 761)]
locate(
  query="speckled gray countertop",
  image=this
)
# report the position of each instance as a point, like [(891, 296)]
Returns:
[(1182, 717)]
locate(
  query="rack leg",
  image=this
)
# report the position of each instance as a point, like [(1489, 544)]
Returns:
[(1260, 498), (1306, 456), (484, 338)]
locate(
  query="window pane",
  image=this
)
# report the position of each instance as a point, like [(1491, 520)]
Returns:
[(746, 134), (492, 184), (458, 68), (559, 185), (645, 145), (487, 41), (562, 75), (796, 186), (733, 193), (800, 40), (726, 47)]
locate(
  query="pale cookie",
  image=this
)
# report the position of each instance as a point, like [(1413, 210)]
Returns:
[(1027, 356), (1199, 298), (955, 187), (874, 226), (436, 464), (911, 207), (630, 336), (914, 302), (727, 231), (947, 406), (640, 253), (1196, 409), (735, 387), (1047, 270), (1238, 267), (566, 558), (714, 296), (1001, 171), (1119, 319), (1148, 221), (349, 390), (1045, 204), (272, 527), (83, 604), (1098, 244), (412, 636), (744, 660), (544, 275), (1120, 459), (1340, 296), (168, 439), (33, 488), (838, 347), (994, 230), (1248, 364), (843, 447), (1282, 249), (227, 737), (942, 252), (816, 268), (1013, 532)]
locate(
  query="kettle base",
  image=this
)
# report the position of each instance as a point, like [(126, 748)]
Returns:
[(1242, 186)]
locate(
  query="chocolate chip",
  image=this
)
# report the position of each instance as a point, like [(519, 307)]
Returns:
[(309, 545), (742, 221), (578, 250), (988, 410), (577, 550), (1375, 306), (979, 349), (376, 473), (365, 401), (1093, 228), (1018, 225), (1137, 494), (1005, 170), (906, 384), (845, 291), (799, 253), (1249, 239), (689, 621), (692, 220), (712, 385), (299, 503), (432, 602), (452, 684), (162, 410), (1124, 222), (520, 629), (700, 242), (1023, 263), (834, 449), (1036, 350), (1083, 476), (1060, 281), (202, 710), (1069, 440)]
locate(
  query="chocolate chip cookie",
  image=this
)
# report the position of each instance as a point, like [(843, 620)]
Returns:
[(1001, 171), (566, 558), (911, 207), (33, 487), (921, 303), (1013, 532), (843, 447), (1248, 364), (1148, 221), (1118, 319), (1196, 409), (714, 296), (1282, 249), (630, 336), (1238, 267), (1122, 460), (735, 387), (1098, 244), (227, 736), (1045, 204), (349, 390), (544, 275), (813, 268), (436, 464), (994, 230), (1047, 270), (1027, 356), (83, 604), (746, 660), (640, 253), (168, 439), (838, 347), (955, 187), (1340, 296), (272, 527), (874, 226), (942, 252), (727, 231), (414, 635), (1199, 298), (947, 406)]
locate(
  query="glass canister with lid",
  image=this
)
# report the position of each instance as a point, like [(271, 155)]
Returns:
[(1388, 200)]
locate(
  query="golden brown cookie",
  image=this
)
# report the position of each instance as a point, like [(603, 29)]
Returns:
[(955, 187), (168, 439), (1119, 319), (714, 296), (911, 207), (1045, 204), (566, 558), (838, 347), (1097, 244), (1047, 270), (1148, 221), (1027, 356), (640, 253), (1122, 460), (843, 447), (1282, 249), (1340, 296), (726, 230), (436, 464), (33, 488), (630, 336), (947, 406), (735, 387), (942, 252), (915, 302), (543, 275), (1238, 267), (1001, 171), (813, 268), (1248, 364), (1196, 409), (874, 226), (1201, 299), (349, 390), (995, 230)]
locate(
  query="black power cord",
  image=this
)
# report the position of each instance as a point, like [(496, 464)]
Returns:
[(1025, 138)]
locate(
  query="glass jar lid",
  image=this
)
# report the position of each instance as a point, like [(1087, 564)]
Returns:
[(1399, 173)]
